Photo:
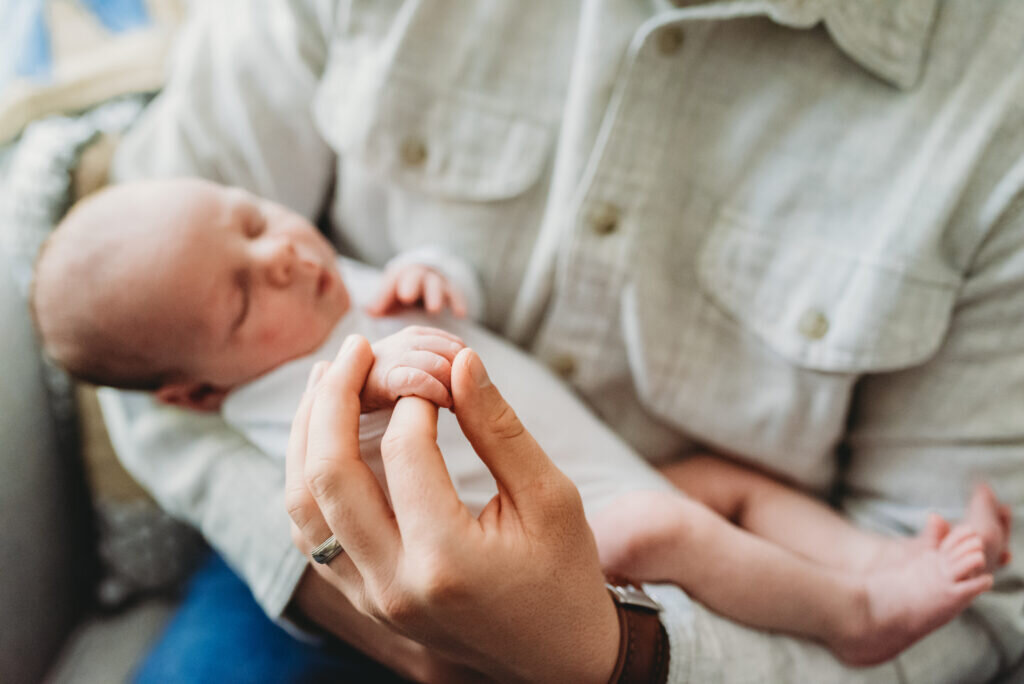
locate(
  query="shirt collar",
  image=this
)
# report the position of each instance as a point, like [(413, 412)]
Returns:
[(889, 38)]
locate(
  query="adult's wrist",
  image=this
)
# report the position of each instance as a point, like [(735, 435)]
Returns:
[(604, 659), (643, 653), (585, 652)]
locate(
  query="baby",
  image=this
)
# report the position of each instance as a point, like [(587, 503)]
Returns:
[(193, 291)]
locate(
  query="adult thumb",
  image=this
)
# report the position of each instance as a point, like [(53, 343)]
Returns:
[(507, 449)]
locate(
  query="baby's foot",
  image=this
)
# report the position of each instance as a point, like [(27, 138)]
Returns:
[(991, 520), (893, 552), (985, 515), (939, 576)]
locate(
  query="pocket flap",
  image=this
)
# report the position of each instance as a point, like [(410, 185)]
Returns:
[(442, 144), (822, 308)]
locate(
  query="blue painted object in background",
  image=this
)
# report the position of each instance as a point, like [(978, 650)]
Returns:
[(25, 47), (119, 15)]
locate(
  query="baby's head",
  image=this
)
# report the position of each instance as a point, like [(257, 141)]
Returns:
[(183, 287)]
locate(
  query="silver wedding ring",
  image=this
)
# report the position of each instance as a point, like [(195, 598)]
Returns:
[(327, 551)]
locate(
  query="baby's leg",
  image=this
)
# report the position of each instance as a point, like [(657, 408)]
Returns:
[(864, 618), (659, 536), (776, 512), (808, 527)]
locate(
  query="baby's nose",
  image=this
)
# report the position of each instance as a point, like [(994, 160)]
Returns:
[(279, 263)]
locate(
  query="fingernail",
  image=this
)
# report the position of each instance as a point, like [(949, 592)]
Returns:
[(314, 375), (479, 373)]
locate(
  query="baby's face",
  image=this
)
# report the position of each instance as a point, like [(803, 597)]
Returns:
[(240, 284)]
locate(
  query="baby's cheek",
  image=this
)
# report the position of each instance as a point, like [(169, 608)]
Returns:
[(279, 340), (269, 336)]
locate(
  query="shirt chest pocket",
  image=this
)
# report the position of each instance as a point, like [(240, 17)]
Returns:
[(825, 307), (441, 143), (423, 165), (758, 354)]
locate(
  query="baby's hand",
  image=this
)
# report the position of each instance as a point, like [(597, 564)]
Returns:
[(414, 361), (412, 284)]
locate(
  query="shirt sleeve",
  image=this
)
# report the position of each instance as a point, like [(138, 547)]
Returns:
[(208, 475), (457, 271), (237, 107)]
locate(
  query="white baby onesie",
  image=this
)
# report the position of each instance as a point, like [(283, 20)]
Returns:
[(602, 466)]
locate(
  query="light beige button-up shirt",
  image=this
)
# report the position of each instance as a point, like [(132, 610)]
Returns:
[(779, 229)]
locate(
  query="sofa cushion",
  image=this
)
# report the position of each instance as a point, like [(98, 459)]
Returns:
[(45, 549)]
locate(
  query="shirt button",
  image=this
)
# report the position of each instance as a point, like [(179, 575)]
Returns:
[(604, 219), (564, 365), (813, 324), (414, 151), (669, 40)]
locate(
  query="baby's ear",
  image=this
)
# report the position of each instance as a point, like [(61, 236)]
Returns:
[(198, 396)]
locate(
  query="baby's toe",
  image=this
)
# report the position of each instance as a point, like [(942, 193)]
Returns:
[(972, 586), (935, 530), (956, 536), (968, 565), (970, 544), (1005, 517)]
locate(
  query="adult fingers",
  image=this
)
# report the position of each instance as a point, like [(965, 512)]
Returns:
[(344, 487), (307, 520), (340, 571), (433, 292), (410, 284), (492, 427), (422, 493)]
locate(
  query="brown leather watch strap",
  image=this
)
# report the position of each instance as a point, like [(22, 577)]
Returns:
[(643, 644)]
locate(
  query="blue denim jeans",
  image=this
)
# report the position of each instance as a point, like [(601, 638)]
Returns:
[(219, 634)]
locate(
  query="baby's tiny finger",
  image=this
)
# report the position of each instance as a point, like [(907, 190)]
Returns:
[(443, 346), (428, 362), (410, 284), (437, 332), (405, 381), (433, 292), (457, 301), (386, 297)]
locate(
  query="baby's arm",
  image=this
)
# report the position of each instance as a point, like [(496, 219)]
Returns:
[(431, 277), (414, 361)]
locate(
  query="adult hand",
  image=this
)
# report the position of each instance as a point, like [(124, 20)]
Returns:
[(318, 600), (516, 593)]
